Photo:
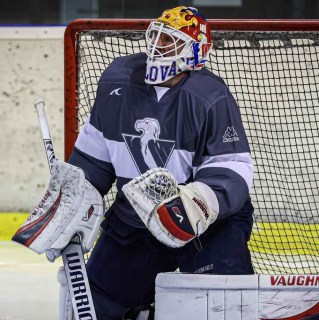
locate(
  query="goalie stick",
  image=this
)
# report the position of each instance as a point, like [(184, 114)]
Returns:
[(72, 255)]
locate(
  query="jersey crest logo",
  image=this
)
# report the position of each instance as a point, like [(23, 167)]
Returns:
[(147, 149), (230, 135)]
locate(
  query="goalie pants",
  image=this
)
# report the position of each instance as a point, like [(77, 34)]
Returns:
[(125, 261)]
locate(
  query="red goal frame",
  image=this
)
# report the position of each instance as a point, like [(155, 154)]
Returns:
[(70, 53)]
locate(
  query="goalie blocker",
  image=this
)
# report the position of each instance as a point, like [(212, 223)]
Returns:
[(71, 205)]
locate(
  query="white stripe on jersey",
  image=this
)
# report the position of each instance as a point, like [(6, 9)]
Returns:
[(91, 141), (180, 164), (241, 163)]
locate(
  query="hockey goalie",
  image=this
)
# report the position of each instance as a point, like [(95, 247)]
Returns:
[(169, 133)]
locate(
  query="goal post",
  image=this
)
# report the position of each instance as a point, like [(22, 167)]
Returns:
[(272, 68)]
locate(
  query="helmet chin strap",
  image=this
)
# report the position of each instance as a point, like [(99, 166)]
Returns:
[(182, 65)]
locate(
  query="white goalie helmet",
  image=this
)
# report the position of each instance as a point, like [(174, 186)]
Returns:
[(179, 40)]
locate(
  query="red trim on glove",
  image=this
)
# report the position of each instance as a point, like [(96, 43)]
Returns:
[(171, 226), (41, 223)]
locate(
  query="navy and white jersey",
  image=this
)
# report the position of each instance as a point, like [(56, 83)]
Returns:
[(195, 131)]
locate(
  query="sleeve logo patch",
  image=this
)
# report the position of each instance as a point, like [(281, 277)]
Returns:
[(230, 135)]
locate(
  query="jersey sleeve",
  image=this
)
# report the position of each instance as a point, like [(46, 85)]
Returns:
[(91, 152), (223, 155)]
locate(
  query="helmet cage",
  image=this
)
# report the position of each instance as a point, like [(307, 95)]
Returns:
[(179, 46)]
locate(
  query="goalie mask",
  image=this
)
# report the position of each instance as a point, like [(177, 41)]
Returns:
[(179, 40)]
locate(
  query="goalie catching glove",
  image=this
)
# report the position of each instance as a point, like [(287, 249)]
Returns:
[(70, 205), (174, 214)]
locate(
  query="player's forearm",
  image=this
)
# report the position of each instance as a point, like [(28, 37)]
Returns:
[(230, 188), (99, 173)]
